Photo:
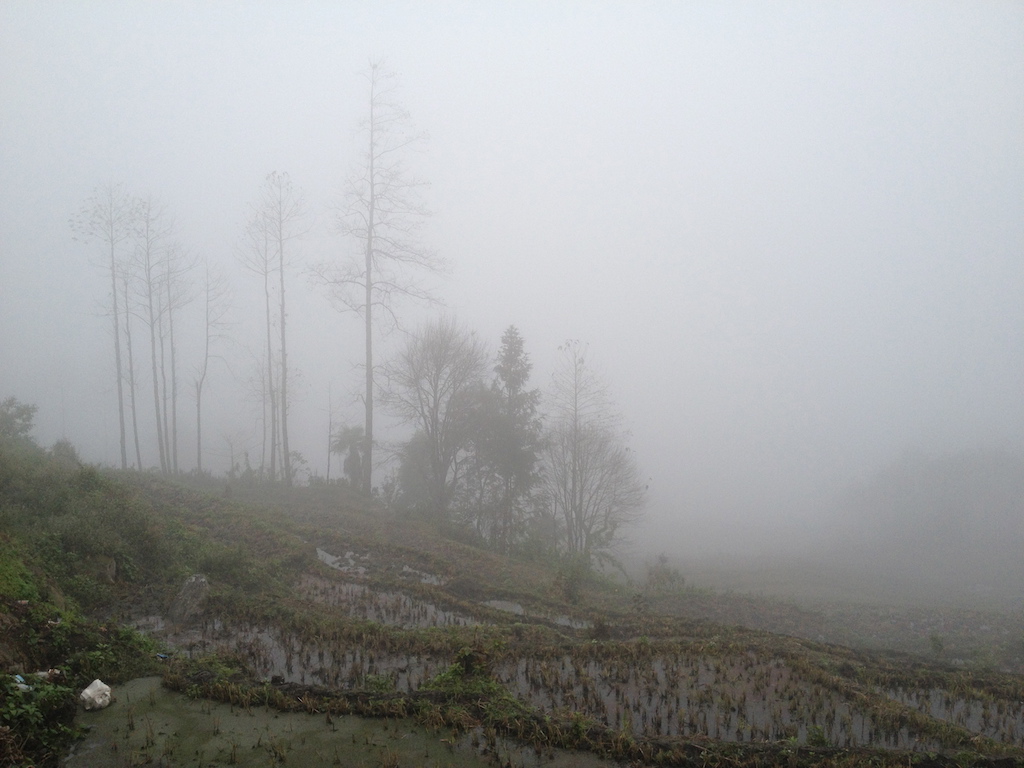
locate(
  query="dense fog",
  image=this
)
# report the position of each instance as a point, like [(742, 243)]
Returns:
[(790, 237)]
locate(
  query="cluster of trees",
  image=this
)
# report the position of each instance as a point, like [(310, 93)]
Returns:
[(16, 421), (152, 279), (149, 285), (483, 453), (275, 220), (489, 454)]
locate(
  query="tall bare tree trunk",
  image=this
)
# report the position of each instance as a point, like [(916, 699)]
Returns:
[(131, 376), (109, 215), (383, 214), (214, 311), (199, 428), (330, 432), (163, 392), (117, 353), (156, 380), (275, 216), (286, 463), (270, 382), (265, 417), (151, 253), (200, 380), (173, 432), (368, 428)]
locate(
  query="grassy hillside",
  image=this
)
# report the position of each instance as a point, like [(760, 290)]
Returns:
[(65, 528), (320, 603)]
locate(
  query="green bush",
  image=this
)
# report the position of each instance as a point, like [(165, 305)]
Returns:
[(663, 578), (233, 565), (16, 581), (38, 721), (573, 572), (116, 655)]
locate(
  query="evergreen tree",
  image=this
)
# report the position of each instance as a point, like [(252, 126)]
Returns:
[(509, 441)]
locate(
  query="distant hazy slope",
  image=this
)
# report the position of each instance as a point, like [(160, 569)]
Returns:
[(954, 521)]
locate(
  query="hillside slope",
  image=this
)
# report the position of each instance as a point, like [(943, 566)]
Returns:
[(316, 601)]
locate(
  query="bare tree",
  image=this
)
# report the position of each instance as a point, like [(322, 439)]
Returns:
[(238, 442), (382, 211), (256, 390), (276, 219), (256, 255), (215, 309), (152, 235), (176, 287), (160, 276), (592, 480), (108, 217), (330, 432), (284, 211), (132, 382), (430, 385)]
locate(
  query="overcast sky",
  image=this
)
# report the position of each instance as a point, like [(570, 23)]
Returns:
[(791, 233)]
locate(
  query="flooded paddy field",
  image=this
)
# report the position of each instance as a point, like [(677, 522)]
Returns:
[(337, 642), (149, 725), (392, 608), (996, 718), (751, 697), (734, 699), (354, 634)]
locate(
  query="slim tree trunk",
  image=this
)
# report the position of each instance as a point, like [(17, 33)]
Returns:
[(199, 426), (163, 393), (382, 213), (201, 377), (149, 286), (173, 432), (270, 382), (117, 350), (330, 432), (150, 239), (275, 217), (368, 437), (200, 380), (286, 459), (370, 221), (156, 378), (265, 416), (131, 378), (109, 216), (576, 506)]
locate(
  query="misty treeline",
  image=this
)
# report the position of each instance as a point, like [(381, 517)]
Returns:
[(483, 455), (154, 279), (490, 455)]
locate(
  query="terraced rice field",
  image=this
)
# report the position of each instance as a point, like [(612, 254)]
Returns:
[(677, 680)]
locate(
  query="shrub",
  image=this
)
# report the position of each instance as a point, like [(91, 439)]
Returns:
[(16, 582), (661, 577), (36, 723)]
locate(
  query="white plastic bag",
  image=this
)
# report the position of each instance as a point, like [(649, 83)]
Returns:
[(96, 696)]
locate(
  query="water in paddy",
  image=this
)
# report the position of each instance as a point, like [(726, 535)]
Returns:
[(151, 726)]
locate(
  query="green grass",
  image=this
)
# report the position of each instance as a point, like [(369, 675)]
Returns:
[(16, 580)]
